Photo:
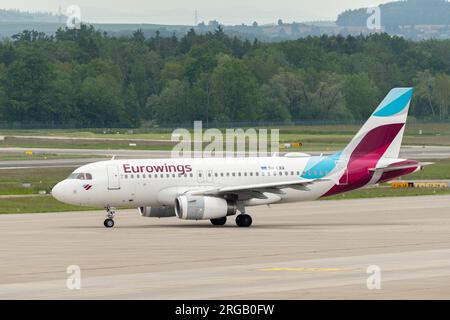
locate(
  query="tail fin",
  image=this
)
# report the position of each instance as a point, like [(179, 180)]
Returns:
[(382, 135)]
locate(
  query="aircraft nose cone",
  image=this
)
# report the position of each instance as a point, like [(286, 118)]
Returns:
[(57, 192)]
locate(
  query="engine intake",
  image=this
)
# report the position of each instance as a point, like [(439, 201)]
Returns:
[(203, 208)]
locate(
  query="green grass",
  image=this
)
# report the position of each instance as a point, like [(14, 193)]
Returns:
[(314, 137), (388, 192), (44, 156), (440, 170), (40, 179), (36, 205)]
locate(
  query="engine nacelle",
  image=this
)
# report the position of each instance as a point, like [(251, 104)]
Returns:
[(163, 212), (203, 208)]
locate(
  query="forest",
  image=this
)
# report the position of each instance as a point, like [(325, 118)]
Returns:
[(87, 78)]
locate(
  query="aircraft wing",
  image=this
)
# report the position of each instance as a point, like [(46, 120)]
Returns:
[(263, 187)]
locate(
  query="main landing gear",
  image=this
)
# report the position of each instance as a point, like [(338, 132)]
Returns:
[(219, 222), (244, 220), (109, 222)]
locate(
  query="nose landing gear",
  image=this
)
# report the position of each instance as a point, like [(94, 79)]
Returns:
[(109, 222)]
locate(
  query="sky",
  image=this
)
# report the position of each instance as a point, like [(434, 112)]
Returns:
[(183, 11)]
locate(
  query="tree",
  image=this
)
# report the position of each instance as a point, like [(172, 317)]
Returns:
[(172, 105), (328, 101), (131, 105), (28, 88), (289, 91), (264, 63), (2, 90), (234, 91), (361, 95), (441, 94), (100, 102), (273, 104), (424, 84)]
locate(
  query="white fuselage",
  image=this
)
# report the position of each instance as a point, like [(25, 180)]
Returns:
[(157, 182)]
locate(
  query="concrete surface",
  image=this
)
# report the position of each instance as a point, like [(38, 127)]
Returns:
[(296, 251)]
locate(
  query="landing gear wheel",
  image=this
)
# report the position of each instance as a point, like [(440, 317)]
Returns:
[(244, 220), (109, 223), (219, 222)]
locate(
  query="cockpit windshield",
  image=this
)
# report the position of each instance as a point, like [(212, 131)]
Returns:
[(80, 176)]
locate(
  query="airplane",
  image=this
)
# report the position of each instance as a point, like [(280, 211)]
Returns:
[(217, 188)]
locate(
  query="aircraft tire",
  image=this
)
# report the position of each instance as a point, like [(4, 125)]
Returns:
[(109, 223), (244, 220), (219, 222)]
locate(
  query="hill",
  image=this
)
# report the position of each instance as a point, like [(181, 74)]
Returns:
[(401, 13)]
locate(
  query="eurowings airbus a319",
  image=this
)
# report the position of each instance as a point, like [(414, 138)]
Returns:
[(216, 188)]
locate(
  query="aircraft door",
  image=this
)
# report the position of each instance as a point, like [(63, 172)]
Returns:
[(113, 178)]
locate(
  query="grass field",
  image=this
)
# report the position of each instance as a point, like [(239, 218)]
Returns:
[(388, 192), (314, 137), (44, 156), (35, 205), (440, 170), (11, 181)]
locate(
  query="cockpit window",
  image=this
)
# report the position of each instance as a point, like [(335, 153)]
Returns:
[(80, 176)]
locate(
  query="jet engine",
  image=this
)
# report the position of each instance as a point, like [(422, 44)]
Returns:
[(203, 208), (163, 212)]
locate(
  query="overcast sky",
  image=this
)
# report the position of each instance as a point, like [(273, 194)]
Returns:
[(183, 11)]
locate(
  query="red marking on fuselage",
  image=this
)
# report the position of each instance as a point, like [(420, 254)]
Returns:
[(365, 157)]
